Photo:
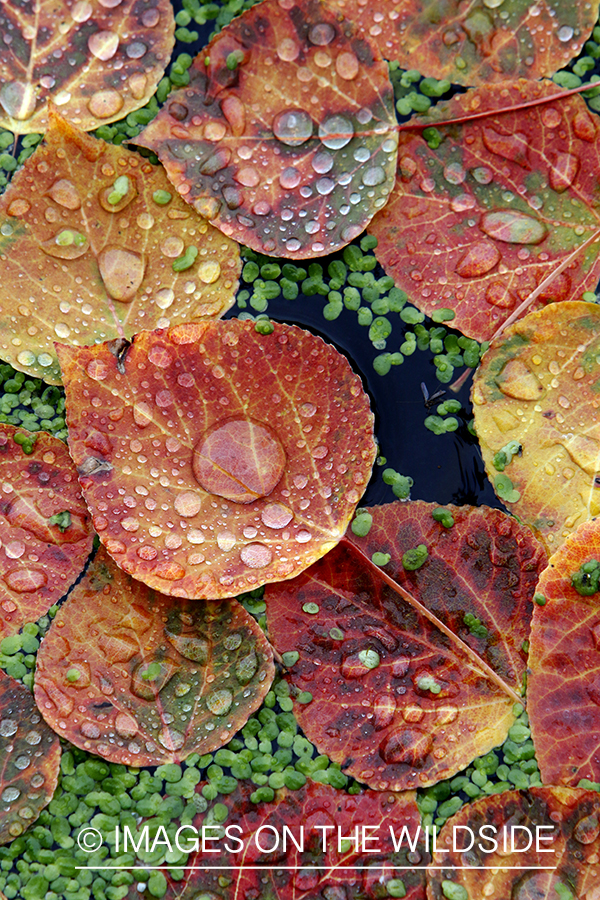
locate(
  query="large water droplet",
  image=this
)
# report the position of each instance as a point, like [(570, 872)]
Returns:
[(510, 146), (18, 99), (10, 793), (103, 44), (246, 667), (513, 227), (191, 646), (541, 886), (171, 739), (187, 504), (126, 726), (122, 272), (347, 65), (256, 556), (24, 581), (516, 380), (105, 104), (321, 34), (8, 727), (481, 257), (410, 746), (290, 178), (384, 709), (565, 33), (335, 132), (276, 515), (563, 171), (240, 460), (293, 127), (587, 829), (66, 244), (65, 194), (219, 702)]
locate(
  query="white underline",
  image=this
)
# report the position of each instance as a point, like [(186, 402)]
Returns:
[(331, 868)]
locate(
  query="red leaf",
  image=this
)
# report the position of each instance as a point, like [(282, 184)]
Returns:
[(563, 867), (29, 760), (499, 211), (239, 457), (40, 558), (564, 659), (311, 814), (396, 701), (302, 171), (159, 679), (470, 43)]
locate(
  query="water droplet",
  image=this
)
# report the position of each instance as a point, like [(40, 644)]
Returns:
[(481, 257), (105, 104), (14, 549), (511, 146), (24, 581), (335, 132), (65, 194), (513, 227), (293, 127), (347, 65), (321, 34), (188, 504), (322, 162), (256, 556), (219, 702), (563, 171), (288, 50), (565, 33), (103, 44), (150, 18), (81, 11), (276, 515), (190, 646), (226, 541), (172, 246), (122, 272), (209, 271), (126, 726), (454, 173), (18, 99), (8, 727), (289, 178), (10, 793), (410, 746), (373, 176), (170, 571), (240, 460), (541, 885), (517, 381), (587, 829), (171, 739), (19, 207), (136, 50), (90, 730)]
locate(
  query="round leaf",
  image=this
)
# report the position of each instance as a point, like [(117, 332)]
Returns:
[(470, 43), (286, 134), (45, 527), (29, 760), (564, 661), (313, 816), (95, 62), (159, 679), (537, 387), (394, 700), (485, 219), (94, 253), (561, 822), (239, 457)]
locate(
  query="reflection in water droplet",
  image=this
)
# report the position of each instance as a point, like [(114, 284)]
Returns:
[(293, 127), (106, 103), (454, 173), (321, 34), (288, 50), (103, 44), (19, 207), (24, 581), (410, 746), (187, 504), (276, 515), (18, 99), (65, 194), (171, 739), (240, 460), (565, 33), (246, 667), (373, 176), (122, 272), (289, 178), (191, 646), (256, 556), (335, 132), (10, 793), (8, 727), (513, 227), (219, 702), (481, 257), (516, 380), (347, 65), (126, 726)]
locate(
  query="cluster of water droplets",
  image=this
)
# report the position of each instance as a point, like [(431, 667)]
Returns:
[(126, 61), (204, 670)]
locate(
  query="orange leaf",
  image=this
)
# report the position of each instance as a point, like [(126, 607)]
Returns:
[(40, 558), (160, 678), (237, 458), (471, 43), (285, 136), (501, 210), (29, 760), (97, 62), (559, 824), (394, 700), (564, 659), (535, 398), (92, 251)]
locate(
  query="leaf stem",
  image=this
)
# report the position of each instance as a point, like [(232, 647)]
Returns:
[(518, 312), (484, 114), (479, 663)]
